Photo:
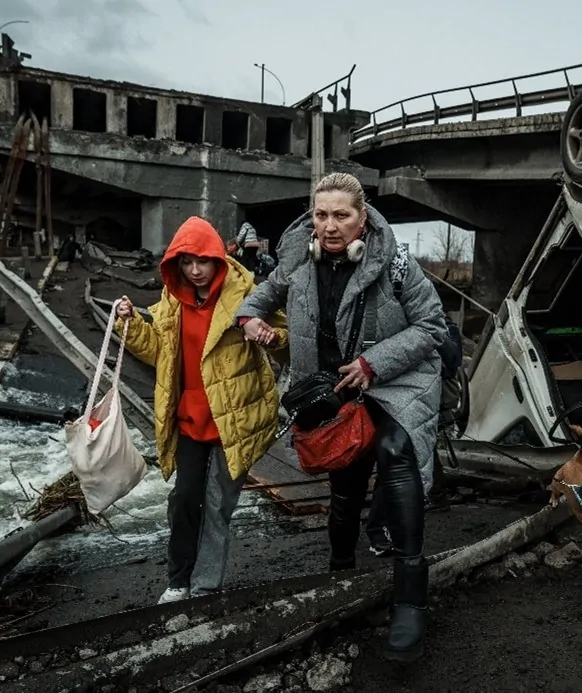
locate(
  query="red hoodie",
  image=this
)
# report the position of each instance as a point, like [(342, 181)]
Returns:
[(195, 237)]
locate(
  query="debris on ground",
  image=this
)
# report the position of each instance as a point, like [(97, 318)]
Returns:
[(96, 255), (125, 266), (350, 659), (564, 557), (15, 608), (62, 493)]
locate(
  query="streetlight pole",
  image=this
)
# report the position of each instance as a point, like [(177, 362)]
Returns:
[(14, 21), (263, 69)]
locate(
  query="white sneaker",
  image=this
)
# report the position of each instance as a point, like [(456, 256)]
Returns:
[(174, 594)]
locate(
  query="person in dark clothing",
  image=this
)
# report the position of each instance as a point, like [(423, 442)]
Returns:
[(326, 258), (452, 358), (69, 249)]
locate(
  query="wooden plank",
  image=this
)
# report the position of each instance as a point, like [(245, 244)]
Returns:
[(279, 452), (277, 468)]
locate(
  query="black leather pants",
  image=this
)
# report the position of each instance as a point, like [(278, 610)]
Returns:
[(401, 499), (399, 486)]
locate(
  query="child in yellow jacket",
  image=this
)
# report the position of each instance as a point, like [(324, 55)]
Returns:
[(215, 399)]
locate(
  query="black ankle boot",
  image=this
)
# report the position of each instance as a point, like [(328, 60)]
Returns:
[(408, 623), (336, 564)]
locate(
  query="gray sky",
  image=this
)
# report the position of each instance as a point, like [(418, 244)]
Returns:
[(209, 46)]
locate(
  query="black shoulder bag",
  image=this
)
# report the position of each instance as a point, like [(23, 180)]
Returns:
[(312, 401)]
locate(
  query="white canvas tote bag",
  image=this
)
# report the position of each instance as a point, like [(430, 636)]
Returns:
[(105, 459)]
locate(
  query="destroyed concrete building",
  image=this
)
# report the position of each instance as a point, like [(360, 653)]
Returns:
[(130, 163)]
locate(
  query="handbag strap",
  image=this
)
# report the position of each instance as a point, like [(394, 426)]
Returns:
[(101, 362), (365, 312), (356, 326), (370, 315)]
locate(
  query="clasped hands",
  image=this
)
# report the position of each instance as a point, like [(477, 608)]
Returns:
[(257, 330)]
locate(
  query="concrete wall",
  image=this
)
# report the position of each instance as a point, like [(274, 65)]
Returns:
[(161, 218), (62, 105), (7, 99), (116, 113), (173, 154), (227, 123)]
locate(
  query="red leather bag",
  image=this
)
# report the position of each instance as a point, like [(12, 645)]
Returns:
[(347, 436), (338, 443)]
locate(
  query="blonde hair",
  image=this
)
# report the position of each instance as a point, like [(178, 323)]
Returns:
[(346, 183)]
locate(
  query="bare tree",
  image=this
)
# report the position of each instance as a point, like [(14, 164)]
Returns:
[(453, 245)]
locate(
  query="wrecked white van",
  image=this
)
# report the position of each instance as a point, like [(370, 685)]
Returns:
[(524, 382)]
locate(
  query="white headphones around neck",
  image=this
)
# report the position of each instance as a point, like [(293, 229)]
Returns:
[(354, 250)]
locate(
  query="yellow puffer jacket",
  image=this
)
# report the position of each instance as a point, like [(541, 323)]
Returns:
[(237, 375)]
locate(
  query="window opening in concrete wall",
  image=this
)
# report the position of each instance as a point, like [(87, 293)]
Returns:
[(89, 110), (35, 97), (278, 140), (327, 140), (189, 123), (235, 130), (141, 117)]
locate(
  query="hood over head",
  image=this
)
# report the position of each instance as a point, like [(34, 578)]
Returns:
[(195, 237)]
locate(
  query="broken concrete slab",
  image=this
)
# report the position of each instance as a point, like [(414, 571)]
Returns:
[(564, 557), (279, 623)]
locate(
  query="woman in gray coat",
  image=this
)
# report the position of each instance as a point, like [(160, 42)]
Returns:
[(326, 258)]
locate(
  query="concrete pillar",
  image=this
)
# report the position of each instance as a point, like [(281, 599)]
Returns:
[(257, 132), (166, 119), (343, 122), (161, 218), (154, 236), (498, 258), (8, 96), (226, 217), (340, 143), (300, 133), (213, 125), (62, 105), (116, 113)]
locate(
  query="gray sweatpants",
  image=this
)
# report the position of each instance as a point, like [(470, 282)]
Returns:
[(200, 507)]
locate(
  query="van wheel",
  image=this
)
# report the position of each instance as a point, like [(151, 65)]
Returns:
[(571, 141), (462, 411)]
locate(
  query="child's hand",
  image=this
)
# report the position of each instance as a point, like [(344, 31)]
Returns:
[(257, 330), (125, 308)]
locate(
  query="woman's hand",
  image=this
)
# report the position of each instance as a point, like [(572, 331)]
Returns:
[(355, 376), (125, 308), (257, 330)]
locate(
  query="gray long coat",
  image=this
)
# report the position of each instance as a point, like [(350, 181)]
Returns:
[(407, 367)]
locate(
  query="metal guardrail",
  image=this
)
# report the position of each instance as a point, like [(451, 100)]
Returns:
[(346, 92), (137, 411), (474, 107)]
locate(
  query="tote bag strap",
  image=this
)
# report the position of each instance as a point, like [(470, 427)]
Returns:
[(101, 362)]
